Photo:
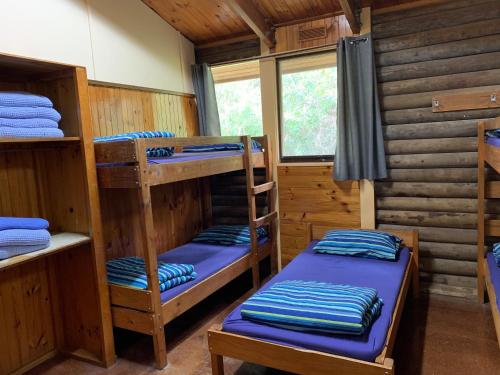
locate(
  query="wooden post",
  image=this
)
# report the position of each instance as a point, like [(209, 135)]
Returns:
[(481, 183), (217, 364)]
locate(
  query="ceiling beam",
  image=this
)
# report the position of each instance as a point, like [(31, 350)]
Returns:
[(351, 13), (254, 19)]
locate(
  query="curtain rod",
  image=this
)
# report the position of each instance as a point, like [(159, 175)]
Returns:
[(305, 51)]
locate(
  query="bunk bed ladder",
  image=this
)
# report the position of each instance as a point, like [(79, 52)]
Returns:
[(268, 187)]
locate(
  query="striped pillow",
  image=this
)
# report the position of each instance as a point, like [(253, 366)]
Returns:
[(157, 152), (496, 253), (314, 306), (256, 146), (359, 243), (228, 235)]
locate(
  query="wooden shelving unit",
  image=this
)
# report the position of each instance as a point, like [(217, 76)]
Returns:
[(54, 300)]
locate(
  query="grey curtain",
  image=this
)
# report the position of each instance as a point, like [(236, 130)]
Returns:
[(360, 145), (204, 89)]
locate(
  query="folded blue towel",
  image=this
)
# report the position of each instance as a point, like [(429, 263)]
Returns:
[(7, 222), (12, 251), (157, 152), (131, 272), (28, 123), (23, 99), (24, 237), (314, 306), (256, 146), (7, 132), (30, 112)]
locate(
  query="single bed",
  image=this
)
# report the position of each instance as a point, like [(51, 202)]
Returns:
[(312, 353), (492, 280)]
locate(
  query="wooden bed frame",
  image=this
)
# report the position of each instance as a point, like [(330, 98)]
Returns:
[(487, 155), (141, 310), (311, 362)]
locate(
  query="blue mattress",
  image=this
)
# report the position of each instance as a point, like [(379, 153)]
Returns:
[(207, 260), (385, 276), (495, 276), (493, 141), (190, 156)]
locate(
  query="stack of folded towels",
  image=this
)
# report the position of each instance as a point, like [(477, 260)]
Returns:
[(131, 272), (27, 115), (315, 306), (22, 235)]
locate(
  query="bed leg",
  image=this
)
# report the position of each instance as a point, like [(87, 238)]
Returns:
[(217, 364), (160, 348)]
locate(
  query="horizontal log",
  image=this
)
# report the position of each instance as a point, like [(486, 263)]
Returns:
[(224, 220), (233, 211), (432, 9), (431, 37), (448, 266), (235, 200), (410, 116), (444, 160), (448, 290), (427, 204), (448, 251), (445, 129), (426, 189), (424, 99), (443, 82), (425, 146), (454, 65), (446, 18), (451, 280), (427, 234), (483, 44), (428, 219), (433, 175)]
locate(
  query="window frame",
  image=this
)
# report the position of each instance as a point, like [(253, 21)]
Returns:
[(297, 158)]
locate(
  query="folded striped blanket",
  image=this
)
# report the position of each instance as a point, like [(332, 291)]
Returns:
[(314, 306), (23, 99), (28, 123), (228, 235), (155, 152), (496, 253), (131, 272), (30, 112), (24, 237), (360, 243), (221, 147), (22, 223), (13, 251), (8, 132)]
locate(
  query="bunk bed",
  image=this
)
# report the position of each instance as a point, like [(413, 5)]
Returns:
[(488, 273), (125, 165), (312, 354)]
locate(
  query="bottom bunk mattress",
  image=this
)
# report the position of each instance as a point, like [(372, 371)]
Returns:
[(385, 276), (493, 141), (495, 276), (206, 259)]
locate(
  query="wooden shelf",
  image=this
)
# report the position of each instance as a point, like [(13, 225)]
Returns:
[(29, 143), (58, 242)]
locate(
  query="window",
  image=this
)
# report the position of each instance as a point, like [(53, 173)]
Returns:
[(237, 88), (308, 106)]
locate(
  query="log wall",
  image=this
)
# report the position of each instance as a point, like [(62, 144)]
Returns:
[(443, 49)]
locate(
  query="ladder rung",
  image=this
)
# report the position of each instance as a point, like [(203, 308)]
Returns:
[(263, 188), (264, 220)]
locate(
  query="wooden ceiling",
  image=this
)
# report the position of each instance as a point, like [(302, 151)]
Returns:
[(205, 21)]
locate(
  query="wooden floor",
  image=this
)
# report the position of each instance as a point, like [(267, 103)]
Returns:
[(438, 336)]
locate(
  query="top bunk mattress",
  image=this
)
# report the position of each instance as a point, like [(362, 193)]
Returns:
[(385, 276), (495, 276), (206, 259), (194, 156)]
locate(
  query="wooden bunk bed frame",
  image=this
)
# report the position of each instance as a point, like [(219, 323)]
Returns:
[(487, 155), (311, 362), (141, 310)]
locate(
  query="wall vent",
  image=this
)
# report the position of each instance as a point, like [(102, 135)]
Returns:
[(312, 33)]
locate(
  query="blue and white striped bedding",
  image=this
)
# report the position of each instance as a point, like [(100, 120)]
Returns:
[(23, 99), (28, 123), (360, 243), (8, 132), (496, 253), (24, 237), (30, 112), (314, 306), (131, 272), (221, 147), (156, 152), (228, 235)]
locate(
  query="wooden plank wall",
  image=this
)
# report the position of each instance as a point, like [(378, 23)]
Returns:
[(441, 49), (177, 207), (308, 195)]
